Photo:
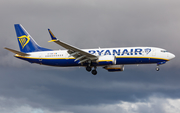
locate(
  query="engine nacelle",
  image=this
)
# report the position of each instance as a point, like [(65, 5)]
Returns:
[(113, 68), (106, 60)]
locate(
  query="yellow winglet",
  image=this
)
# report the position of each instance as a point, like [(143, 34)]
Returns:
[(52, 40)]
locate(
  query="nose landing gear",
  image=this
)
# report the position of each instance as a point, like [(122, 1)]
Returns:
[(159, 63), (157, 68)]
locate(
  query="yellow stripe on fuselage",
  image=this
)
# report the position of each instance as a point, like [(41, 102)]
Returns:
[(40, 57)]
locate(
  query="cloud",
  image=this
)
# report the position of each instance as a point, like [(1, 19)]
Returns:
[(12, 105), (55, 89), (153, 104), (90, 24)]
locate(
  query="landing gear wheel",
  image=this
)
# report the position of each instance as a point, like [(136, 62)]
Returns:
[(88, 68), (94, 72), (157, 69)]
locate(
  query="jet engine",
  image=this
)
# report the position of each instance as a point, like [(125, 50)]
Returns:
[(106, 60), (112, 68)]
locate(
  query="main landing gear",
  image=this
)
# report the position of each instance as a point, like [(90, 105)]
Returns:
[(94, 72), (88, 68)]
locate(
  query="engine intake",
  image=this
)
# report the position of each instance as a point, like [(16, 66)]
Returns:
[(106, 60)]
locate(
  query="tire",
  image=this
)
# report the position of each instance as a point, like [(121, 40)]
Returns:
[(94, 72), (88, 68), (157, 69)]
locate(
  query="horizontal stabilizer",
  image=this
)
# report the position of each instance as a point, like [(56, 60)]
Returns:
[(17, 52)]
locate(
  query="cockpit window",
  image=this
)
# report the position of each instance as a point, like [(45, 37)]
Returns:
[(164, 51)]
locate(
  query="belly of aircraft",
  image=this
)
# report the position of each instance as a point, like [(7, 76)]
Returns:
[(71, 62)]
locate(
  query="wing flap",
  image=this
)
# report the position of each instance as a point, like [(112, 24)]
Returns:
[(74, 49), (17, 52)]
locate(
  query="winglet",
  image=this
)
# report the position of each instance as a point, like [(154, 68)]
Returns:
[(52, 36)]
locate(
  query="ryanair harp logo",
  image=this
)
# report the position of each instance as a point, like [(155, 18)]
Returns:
[(147, 50), (24, 40)]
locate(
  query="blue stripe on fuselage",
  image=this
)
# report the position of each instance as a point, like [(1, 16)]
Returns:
[(51, 62), (70, 62), (138, 60)]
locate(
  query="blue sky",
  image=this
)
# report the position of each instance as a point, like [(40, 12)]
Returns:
[(32, 88)]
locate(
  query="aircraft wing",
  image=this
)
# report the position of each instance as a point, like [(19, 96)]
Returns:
[(17, 52), (79, 54)]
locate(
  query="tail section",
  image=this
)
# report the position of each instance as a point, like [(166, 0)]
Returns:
[(26, 42)]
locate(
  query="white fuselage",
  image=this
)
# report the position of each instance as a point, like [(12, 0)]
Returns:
[(126, 55)]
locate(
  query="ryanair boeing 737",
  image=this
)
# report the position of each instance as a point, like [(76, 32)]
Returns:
[(111, 59)]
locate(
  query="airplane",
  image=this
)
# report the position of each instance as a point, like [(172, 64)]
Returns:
[(111, 59)]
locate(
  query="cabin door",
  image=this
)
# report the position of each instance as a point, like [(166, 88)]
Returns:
[(40, 58)]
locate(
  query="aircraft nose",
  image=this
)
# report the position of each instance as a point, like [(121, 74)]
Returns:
[(171, 56)]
